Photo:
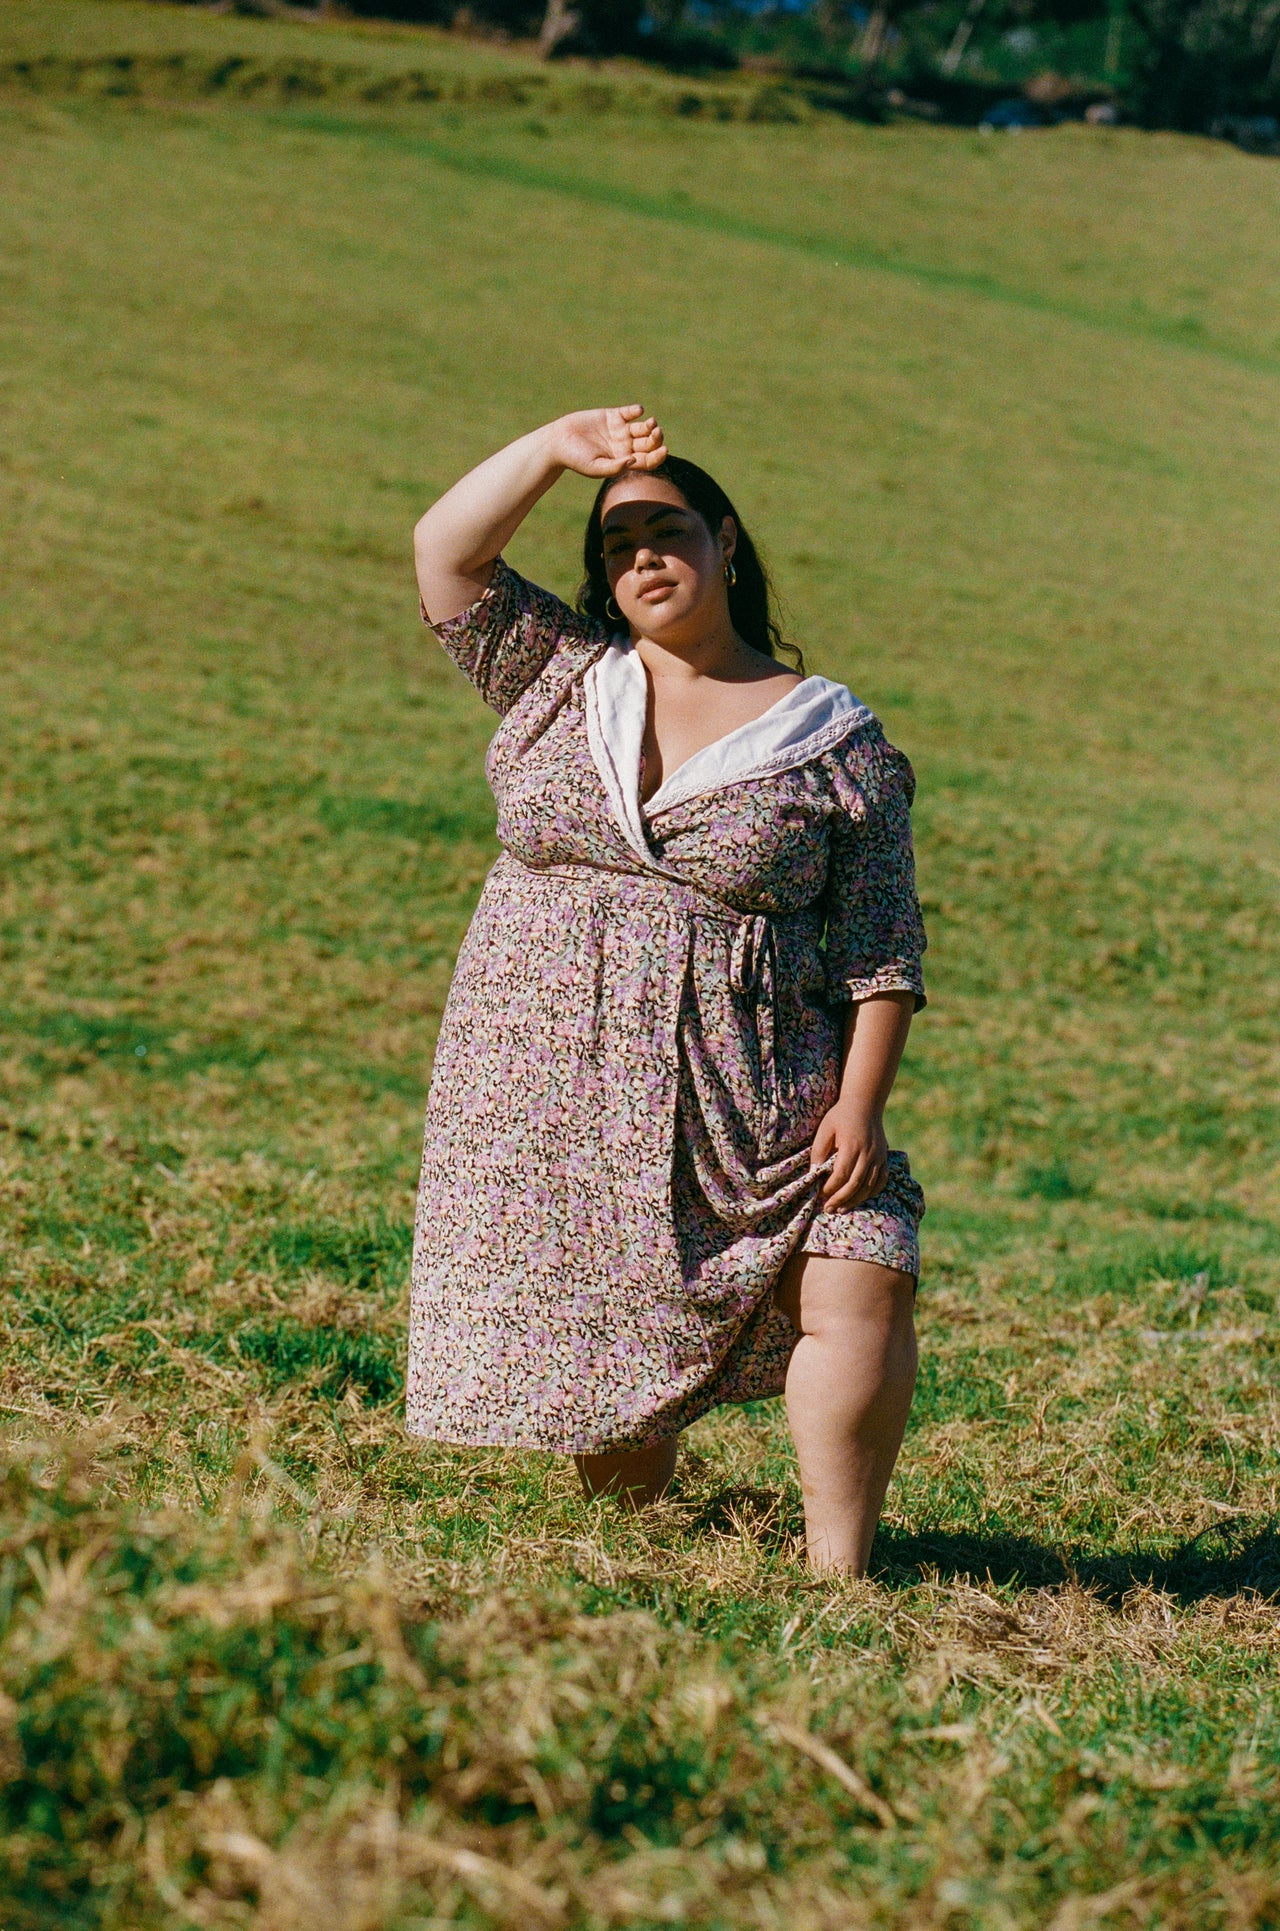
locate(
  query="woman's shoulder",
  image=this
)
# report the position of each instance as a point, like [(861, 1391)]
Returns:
[(509, 599), (862, 759), (843, 728), (516, 634)]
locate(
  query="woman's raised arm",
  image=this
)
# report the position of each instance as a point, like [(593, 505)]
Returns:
[(456, 542)]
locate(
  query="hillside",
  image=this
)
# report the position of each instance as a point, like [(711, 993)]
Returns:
[(1001, 412)]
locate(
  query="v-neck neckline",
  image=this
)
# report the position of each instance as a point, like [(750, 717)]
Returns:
[(806, 720), (719, 744)]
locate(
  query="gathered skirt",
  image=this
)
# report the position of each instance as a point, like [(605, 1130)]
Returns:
[(628, 1081)]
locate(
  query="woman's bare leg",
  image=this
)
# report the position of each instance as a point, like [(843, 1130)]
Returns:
[(849, 1388), (635, 1476)]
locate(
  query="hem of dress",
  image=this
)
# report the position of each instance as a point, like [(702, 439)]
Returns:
[(896, 1256), (694, 1411), (563, 1448)]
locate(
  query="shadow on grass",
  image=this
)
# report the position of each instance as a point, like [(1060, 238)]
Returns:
[(1221, 1562), (762, 1514), (1217, 1564)]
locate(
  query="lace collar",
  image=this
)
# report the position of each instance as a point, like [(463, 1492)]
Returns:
[(806, 720)]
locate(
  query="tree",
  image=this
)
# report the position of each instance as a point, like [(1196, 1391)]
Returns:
[(1196, 61), (591, 26)]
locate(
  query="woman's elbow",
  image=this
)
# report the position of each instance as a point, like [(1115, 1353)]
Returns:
[(422, 533)]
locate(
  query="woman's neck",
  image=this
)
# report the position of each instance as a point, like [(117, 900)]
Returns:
[(720, 655)]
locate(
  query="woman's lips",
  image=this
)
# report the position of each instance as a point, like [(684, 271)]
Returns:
[(652, 591)]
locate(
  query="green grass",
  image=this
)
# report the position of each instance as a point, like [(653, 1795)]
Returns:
[(1002, 413)]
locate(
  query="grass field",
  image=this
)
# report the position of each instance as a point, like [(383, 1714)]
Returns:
[(1003, 415)]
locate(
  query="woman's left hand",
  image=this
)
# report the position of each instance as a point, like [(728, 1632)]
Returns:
[(855, 1136)]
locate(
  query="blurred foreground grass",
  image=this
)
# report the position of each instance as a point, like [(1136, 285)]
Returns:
[(1003, 414)]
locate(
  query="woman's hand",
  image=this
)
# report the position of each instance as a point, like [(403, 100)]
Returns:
[(460, 535), (605, 442), (855, 1136), (851, 1135)]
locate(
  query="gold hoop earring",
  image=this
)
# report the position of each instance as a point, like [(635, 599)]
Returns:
[(730, 574), (612, 611)]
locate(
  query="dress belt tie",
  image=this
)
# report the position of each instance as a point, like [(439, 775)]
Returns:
[(753, 972), (753, 975), (751, 938), (596, 944)]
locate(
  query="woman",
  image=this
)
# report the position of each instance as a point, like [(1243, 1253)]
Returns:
[(655, 1175)]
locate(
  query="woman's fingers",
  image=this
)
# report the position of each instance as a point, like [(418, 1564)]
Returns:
[(824, 1141), (863, 1183), (842, 1171), (620, 425), (648, 448), (859, 1172), (624, 425), (858, 1161), (630, 439), (650, 458)]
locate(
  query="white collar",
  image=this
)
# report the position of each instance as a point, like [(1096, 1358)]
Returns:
[(806, 720)]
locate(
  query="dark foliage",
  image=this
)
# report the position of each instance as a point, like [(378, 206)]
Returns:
[(605, 27), (687, 50), (1198, 61), (1197, 65)]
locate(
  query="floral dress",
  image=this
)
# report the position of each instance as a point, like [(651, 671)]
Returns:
[(643, 1033)]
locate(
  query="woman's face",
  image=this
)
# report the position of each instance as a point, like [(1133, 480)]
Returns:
[(665, 568)]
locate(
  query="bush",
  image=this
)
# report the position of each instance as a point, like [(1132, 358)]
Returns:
[(1193, 62)]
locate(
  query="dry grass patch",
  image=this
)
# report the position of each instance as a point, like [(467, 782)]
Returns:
[(268, 1662), (203, 1722)]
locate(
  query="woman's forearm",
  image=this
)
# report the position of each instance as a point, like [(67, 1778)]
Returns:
[(875, 1034), (457, 540), (851, 1135)]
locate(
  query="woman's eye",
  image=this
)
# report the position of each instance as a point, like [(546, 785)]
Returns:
[(664, 534)]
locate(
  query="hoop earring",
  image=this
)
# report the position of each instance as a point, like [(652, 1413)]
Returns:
[(612, 611), (730, 574)]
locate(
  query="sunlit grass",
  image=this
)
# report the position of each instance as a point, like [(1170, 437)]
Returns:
[(244, 824)]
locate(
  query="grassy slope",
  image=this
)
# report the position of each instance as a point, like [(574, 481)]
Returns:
[(1018, 490), (107, 27)]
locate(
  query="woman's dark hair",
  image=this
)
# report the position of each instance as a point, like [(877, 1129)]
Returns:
[(750, 597)]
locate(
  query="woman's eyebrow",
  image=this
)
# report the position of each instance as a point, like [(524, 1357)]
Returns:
[(656, 516)]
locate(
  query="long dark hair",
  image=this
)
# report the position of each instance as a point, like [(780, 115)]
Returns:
[(751, 596)]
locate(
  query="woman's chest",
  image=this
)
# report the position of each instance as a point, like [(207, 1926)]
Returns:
[(687, 721), (759, 845)]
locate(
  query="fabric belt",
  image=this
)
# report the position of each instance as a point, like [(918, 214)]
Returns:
[(753, 972), (753, 958)]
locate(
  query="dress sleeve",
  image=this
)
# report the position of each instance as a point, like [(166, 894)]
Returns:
[(507, 635), (874, 932)]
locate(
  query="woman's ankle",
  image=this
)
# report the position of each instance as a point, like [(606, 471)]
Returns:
[(635, 1479)]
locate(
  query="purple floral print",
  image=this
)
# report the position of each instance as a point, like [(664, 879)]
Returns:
[(633, 1061)]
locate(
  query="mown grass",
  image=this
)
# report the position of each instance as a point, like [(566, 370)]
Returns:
[(269, 1662), (126, 49)]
